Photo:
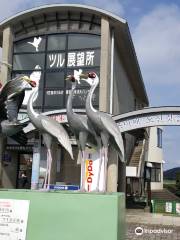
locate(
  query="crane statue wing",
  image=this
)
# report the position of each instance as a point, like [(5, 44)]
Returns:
[(10, 100), (13, 105), (114, 132), (57, 130)]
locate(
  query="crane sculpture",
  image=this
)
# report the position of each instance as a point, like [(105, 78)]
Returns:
[(81, 127), (103, 124), (49, 129), (11, 98)]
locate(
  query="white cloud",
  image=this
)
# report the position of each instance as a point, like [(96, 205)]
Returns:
[(8, 8), (156, 39)]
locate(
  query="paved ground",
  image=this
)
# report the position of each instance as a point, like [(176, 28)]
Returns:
[(151, 226)]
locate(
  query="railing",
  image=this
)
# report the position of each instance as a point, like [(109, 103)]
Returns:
[(167, 207)]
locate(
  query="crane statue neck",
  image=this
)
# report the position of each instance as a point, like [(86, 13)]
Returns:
[(70, 98), (89, 97), (30, 110)]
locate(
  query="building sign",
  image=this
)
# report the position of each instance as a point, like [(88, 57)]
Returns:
[(61, 118), (153, 119), (13, 219), (74, 59)]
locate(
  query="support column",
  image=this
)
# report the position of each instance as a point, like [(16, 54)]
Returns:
[(105, 66), (5, 74), (54, 150), (104, 100), (2, 145), (36, 164), (6, 54), (112, 171), (122, 177)]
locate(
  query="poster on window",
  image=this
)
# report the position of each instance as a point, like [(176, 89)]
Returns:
[(13, 219)]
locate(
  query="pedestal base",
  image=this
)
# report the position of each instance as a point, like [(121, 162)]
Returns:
[(72, 216)]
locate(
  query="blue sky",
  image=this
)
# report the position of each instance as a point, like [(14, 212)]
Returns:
[(155, 29)]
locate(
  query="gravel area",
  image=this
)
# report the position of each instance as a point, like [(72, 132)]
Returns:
[(148, 226)]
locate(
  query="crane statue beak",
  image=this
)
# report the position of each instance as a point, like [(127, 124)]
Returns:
[(70, 78), (83, 76), (28, 80)]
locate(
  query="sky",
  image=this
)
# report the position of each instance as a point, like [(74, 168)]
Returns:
[(155, 30)]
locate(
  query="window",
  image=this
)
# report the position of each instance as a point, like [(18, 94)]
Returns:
[(156, 172), (159, 137), (56, 42), (28, 61), (54, 57), (55, 79), (83, 41)]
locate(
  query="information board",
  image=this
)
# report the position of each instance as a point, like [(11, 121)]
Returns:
[(13, 219)]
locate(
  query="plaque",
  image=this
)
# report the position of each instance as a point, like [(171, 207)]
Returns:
[(13, 219)]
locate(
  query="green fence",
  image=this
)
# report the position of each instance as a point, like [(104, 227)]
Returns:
[(168, 207)]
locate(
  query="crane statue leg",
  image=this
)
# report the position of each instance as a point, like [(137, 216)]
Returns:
[(105, 141), (47, 170), (105, 167), (83, 169), (82, 141), (50, 164), (48, 142), (99, 169)]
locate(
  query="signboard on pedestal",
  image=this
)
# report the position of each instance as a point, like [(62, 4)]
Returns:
[(13, 219), (65, 187), (91, 171)]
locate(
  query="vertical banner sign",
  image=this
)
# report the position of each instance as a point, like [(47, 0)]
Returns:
[(13, 219), (91, 173)]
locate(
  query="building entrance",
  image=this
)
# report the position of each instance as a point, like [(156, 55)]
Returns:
[(24, 170)]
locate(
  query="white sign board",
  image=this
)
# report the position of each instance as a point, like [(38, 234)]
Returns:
[(169, 207), (13, 219)]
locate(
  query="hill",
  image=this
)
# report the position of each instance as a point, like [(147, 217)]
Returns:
[(171, 173)]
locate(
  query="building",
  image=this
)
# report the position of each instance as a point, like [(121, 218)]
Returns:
[(50, 42)]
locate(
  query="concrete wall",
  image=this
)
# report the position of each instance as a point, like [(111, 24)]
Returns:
[(124, 97), (155, 155)]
